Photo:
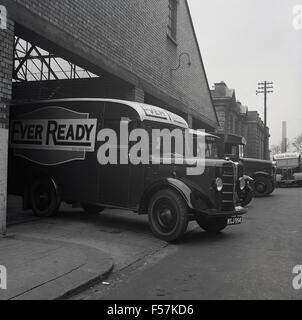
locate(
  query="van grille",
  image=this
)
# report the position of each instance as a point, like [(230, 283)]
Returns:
[(228, 192)]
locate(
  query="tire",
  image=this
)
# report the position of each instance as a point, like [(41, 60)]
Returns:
[(262, 187), (44, 200), (168, 215), (213, 226), (92, 209), (272, 189)]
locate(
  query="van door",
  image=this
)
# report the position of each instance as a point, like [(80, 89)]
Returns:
[(120, 184)]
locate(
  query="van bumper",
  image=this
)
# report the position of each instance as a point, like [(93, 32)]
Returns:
[(290, 183), (214, 213)]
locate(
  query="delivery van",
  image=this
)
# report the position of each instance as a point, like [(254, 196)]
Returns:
[(289, 169), (96, 153)]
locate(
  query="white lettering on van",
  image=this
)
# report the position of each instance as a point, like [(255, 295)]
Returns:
[(166, 147)]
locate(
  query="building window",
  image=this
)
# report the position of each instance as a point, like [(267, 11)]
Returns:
[(172, 26)]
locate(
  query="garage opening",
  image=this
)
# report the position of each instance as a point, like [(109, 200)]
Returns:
[(41, 73), (32, 63)]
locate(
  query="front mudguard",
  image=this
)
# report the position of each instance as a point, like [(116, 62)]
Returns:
[(263, 174), (247, 195), (194, 196)]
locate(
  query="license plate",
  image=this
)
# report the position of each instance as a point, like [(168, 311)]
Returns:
[(234, 221)]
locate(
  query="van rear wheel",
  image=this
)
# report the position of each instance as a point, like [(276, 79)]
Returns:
[(168, 215), (44, 199)]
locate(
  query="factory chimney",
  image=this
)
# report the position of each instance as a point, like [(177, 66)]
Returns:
[(284, 137)]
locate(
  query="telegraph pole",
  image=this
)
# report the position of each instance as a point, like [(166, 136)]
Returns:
[(265, 88)]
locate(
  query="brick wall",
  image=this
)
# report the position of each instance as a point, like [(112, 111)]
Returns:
[(256, 137), (6, 69), (126, 37), (253, 141), (135, 94), (222, 118)]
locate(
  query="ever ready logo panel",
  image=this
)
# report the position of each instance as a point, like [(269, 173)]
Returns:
[(53, 135)]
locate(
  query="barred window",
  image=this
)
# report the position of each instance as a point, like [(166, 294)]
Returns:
[(172, 26)]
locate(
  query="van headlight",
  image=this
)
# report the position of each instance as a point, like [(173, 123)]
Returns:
[(242, 183), (219, 184)]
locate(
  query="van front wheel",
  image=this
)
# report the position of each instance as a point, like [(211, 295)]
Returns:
[(168, 215), (212, 226), (263, 186)]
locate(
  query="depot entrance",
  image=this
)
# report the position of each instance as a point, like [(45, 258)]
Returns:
[(42, 70)]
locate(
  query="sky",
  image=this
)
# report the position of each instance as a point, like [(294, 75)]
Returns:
[(244, 42)]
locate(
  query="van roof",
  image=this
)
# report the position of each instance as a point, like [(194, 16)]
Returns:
[(145, 112)]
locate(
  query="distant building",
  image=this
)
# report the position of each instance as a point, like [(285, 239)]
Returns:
[(234, 118), (256, 137)]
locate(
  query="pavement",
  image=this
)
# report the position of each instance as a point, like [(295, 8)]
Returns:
[(40, 268), (58, 257)]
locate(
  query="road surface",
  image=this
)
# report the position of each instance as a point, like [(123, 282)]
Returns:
[(252, 261)]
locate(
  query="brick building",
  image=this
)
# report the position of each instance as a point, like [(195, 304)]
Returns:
[(232, 115), (256, 137), (234, 118), (147, 47), (144, 51)]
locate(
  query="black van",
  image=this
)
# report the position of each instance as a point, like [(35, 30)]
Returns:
[(263, 172), (57, 155)]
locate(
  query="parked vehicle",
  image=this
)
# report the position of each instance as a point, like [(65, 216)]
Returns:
[(262, 172), (289, 169), (57, 155), (245, 192)]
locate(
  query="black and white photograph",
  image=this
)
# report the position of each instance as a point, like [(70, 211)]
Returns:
[(150, 152)]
